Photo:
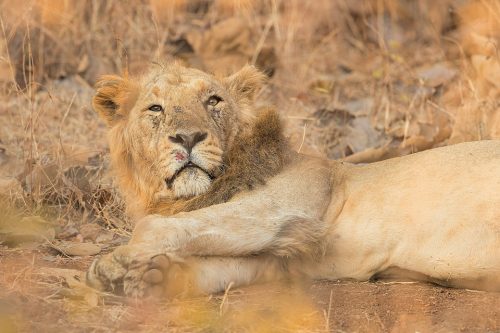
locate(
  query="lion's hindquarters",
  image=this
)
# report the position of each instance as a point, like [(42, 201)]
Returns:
[(434, 214)]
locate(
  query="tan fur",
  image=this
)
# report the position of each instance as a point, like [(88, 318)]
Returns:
[(250, 148), (255, 156), (268, 213)]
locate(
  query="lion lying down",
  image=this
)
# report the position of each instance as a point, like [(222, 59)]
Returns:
[(220, 198)]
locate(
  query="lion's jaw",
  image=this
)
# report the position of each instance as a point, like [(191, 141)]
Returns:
[(170, 130), (190, 182), (189, 173)]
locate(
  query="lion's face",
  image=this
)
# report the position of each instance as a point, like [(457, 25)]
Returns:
[(181, 126), (171, 128)]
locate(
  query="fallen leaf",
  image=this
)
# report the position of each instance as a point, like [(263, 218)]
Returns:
[(361, 135), (83, 64), (105, 237), (323, 85), (347, 130), (76, 249), (436, 75), (229, 35), (90, 231), (67, 232)]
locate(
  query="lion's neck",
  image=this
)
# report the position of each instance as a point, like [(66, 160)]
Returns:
[(255, 156)]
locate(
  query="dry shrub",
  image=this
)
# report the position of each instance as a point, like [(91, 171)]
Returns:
[(56, 39), (362, 80)]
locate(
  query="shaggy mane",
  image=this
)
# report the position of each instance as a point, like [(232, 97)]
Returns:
[(255, 156)]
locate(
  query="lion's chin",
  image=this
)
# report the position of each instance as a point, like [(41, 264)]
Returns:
[(191, 182)]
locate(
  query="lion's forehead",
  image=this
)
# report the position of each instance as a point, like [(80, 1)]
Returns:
[(183, 83)]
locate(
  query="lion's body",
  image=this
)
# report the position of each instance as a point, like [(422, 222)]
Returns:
[(435, 213), (432, 216)]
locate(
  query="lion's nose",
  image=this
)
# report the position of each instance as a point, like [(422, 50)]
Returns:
[(188, 141)]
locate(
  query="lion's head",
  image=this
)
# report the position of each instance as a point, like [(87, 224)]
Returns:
[(173, 132)]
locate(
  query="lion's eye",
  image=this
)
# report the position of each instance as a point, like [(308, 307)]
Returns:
[(155, 108), (213, 100)]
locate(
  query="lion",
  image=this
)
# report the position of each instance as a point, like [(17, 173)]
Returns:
[(221, 198)]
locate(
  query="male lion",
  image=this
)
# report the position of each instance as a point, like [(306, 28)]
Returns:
[(227, 201)]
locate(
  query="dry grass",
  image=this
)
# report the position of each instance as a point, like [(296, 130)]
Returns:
[(362, 80)]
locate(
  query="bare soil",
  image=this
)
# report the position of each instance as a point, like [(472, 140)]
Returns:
[(32, 301), (412, 307)]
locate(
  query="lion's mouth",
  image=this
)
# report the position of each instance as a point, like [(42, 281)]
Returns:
[(170, 181)]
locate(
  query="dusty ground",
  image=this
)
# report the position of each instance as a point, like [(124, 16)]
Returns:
[(33, 300), (362, 80)]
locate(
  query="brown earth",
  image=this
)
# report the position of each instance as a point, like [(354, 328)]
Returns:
[(33, 299)]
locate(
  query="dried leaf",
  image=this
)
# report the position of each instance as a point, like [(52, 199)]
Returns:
[(105, 237), (77, 249), (83, 64), (91, 231), (67, 232), (436, 75), (229, 35), (323, 85), (372, 155), (362, 135)]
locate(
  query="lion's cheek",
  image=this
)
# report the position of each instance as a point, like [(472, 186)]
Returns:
[(191, 182)]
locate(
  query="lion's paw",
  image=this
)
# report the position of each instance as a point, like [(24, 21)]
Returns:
[(131, 271)]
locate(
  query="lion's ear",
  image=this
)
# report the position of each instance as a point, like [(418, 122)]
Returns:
[(114, 98), (245, 83)]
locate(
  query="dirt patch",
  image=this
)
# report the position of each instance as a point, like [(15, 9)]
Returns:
[(33, 301), (416, 307)]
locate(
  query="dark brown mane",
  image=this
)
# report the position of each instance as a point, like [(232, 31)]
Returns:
[(254, 157)]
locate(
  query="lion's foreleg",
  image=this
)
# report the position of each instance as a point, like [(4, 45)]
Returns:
[(282, 236), (231, 231), (205, 275), (124, 271)]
